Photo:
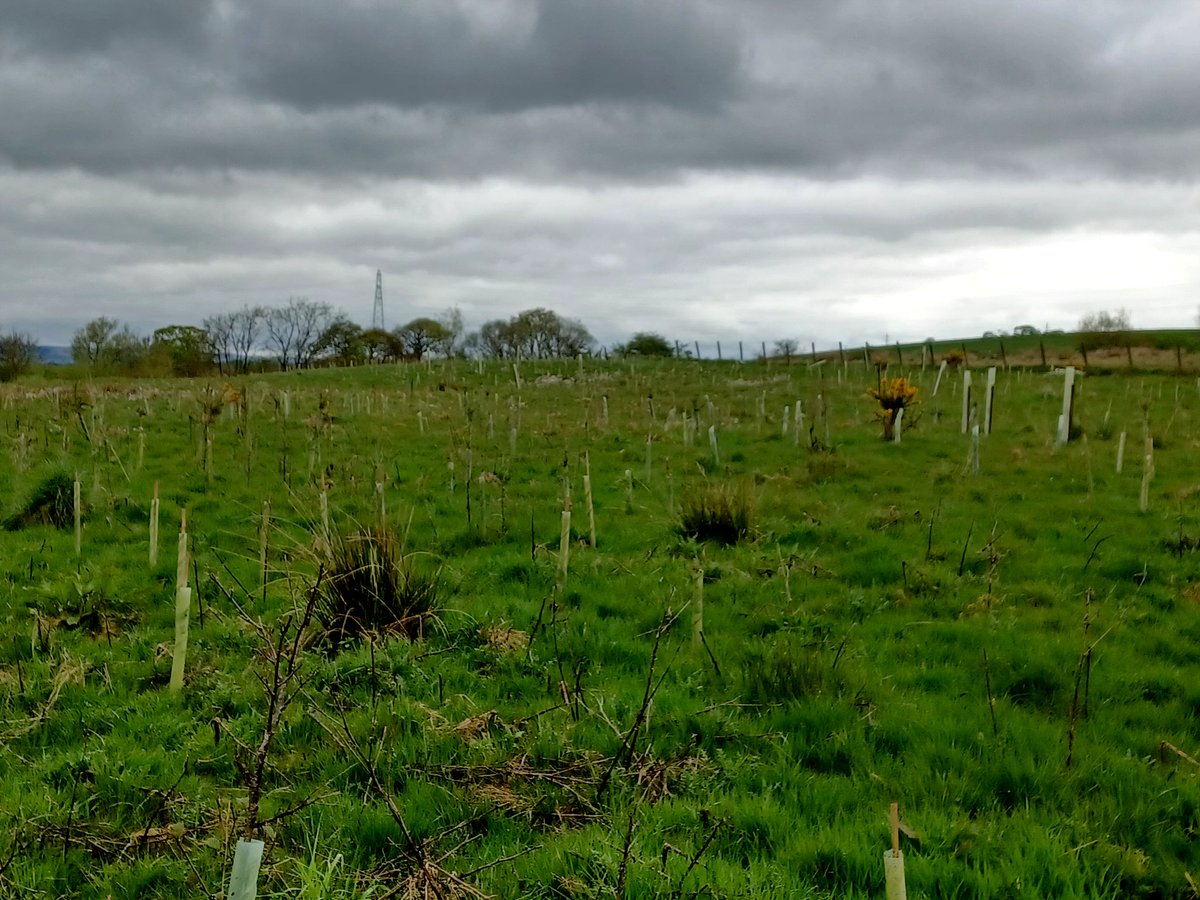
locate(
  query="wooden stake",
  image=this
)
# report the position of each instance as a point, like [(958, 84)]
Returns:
[(991, 392), (966, 404), (893, 861), (698, 607)]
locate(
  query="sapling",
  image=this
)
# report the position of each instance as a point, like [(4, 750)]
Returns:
[(181, 557), (587, 495), (78, 516), (154, 508), (264, 538), (1087, 455), (564, 546), (281, 654), (973, 453), (1147, 475), (183, 602)]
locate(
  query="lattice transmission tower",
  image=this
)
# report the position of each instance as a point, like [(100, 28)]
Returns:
[(377, 315)]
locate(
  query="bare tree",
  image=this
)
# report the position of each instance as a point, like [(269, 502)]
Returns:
[(1105, 320), (234, 337), (787, 347), (247, 326), (293, 330), (220, 335), (452, 322)]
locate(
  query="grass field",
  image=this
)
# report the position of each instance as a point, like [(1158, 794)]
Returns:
[(1002, 641)]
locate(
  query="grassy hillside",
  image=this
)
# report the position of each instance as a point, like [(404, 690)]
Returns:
[(996, 634), (1164, 350)]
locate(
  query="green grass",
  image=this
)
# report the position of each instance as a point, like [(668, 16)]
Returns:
[(892, 628)]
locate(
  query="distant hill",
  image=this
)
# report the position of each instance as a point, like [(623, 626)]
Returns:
[(55, 356)]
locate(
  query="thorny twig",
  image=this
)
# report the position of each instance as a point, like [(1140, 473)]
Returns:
[(282, 651), (629, 744)]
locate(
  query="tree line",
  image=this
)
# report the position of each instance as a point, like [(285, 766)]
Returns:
[(299, 334)]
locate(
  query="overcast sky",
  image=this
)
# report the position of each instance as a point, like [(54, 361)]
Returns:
[(709, 169)]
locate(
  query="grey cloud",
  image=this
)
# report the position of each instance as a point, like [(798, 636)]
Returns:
[(213, 153), (621, 89), (68, 27), (319, 55)]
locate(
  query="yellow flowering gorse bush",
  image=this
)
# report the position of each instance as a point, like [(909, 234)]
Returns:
[(893, 394)]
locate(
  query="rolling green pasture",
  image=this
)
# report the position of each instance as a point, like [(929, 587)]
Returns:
[(1010, 654)]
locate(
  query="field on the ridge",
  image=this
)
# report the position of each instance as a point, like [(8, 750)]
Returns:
[(1010, 654)]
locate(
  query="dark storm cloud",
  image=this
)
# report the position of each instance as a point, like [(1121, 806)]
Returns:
[(563, 52), (67, 27), (549, 89)]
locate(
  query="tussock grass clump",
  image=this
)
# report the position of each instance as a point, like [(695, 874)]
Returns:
[(784, 672), (372, 585), (51, 502), (722, 513)]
